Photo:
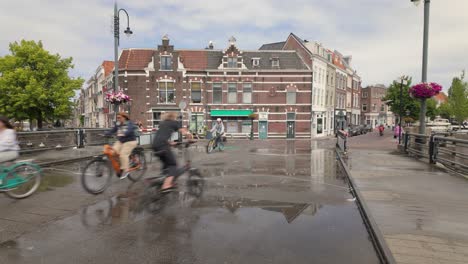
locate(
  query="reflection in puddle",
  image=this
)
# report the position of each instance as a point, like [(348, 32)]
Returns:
[(290, 211), (52, 179)]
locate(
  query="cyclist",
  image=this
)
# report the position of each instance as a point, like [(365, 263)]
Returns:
[(161, 146), (219, 129), (9, 147), (126, 141)]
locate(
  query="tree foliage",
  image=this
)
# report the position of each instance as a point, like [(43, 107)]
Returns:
[(410, 104), (458, 98), (445, 111), (35, 84)]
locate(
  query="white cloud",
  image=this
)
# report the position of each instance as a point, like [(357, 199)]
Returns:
[(384, 37)]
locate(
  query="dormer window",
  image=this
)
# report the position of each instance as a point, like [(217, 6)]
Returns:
[(275, 62), (232, 62), (166, 63), (256, 62)]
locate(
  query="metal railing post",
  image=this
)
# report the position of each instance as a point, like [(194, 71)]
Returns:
[(406, 142), (431, 150), (81, 138)]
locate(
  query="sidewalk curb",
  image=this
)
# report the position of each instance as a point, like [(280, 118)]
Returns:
[(377, 239)]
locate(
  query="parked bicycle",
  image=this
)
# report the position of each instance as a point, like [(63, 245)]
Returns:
[(100, 169), (212, 145), (155, 200), (20, 180)]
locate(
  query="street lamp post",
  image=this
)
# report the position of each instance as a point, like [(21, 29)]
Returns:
[(422, 116), (403, 81), (116, 45)]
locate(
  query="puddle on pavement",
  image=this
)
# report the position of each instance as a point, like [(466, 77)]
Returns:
[(53, 179), (224, 226), (213, 229)]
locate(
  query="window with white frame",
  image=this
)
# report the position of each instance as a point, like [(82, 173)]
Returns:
[(247, 93), (196, 92), (166, 92), (232, 93), (166, 63), (275, 63), (256, 62), (291, 96), (217, 93), (232, 62)]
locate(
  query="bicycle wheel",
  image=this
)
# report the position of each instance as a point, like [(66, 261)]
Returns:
[(154, 200), (96, 176), (210, 146), (137, 158), (195, 183), (30, 174), (221, 146)]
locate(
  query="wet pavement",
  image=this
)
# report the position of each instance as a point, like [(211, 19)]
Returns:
[(263, 202), (421, 209)]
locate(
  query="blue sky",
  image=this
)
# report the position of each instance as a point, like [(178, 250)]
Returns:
[(383, 36)]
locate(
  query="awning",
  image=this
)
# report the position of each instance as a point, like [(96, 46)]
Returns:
[(231, 112)]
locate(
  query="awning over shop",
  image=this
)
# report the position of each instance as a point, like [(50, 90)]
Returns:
[(231, 112)]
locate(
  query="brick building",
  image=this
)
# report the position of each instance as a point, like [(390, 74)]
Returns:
[(336, 86), (374, 110), (230, 84)]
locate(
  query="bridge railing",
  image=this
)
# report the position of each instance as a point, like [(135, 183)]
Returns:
[(79, 138), (450, 150)]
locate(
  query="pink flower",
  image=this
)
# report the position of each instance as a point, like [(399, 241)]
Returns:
[(425, 90)]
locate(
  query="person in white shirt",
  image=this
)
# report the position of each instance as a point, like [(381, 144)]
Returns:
[(9, 148), (218, 130)]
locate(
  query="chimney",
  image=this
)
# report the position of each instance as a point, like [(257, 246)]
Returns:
[(348, 59), (210, 45), (165, 40)]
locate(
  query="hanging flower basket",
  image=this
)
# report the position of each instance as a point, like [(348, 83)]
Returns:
[(425, 90), (117, 98)]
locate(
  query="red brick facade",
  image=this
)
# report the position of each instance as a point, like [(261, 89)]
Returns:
[(146, 75)]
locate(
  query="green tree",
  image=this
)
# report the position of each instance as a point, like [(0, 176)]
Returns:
[(458, 98), (35, 85), (431, 110), (445, 111), (409, 104), (393, 100)]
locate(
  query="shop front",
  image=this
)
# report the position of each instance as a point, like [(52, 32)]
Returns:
[(236, 122), (340, 120)]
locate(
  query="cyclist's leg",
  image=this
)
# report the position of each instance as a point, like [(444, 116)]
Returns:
[(171, 164), (8, 156), (117, 146), (125, 152)]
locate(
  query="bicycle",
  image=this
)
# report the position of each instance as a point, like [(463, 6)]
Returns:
[(213, 146), (20, 180), (155, 199), (100, 168)]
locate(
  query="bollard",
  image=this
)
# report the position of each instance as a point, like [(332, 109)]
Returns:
[(406, 142)]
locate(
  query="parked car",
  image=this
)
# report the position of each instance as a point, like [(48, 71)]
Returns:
[(364, 129), (354, 131)]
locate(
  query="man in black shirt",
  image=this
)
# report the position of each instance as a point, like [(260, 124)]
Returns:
[(162, 146)]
